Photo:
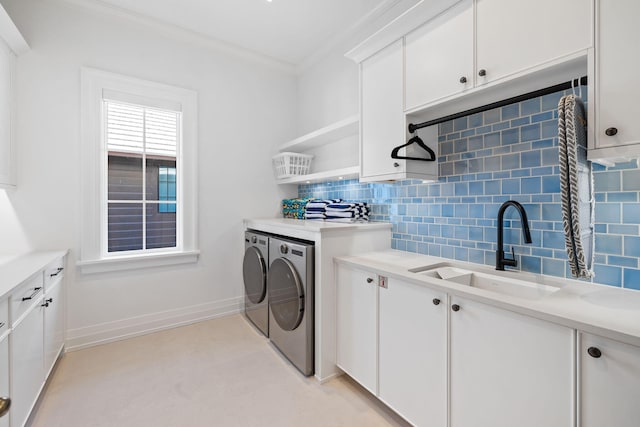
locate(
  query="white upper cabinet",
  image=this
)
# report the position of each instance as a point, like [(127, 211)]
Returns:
[(513, 36), (476, 42), (7, 146), (439, 56), (616, 71), (381, 112), (11, 44), (508, 369), (609, 382)]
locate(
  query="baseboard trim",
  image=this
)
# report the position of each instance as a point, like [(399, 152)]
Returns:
[(90, 336)]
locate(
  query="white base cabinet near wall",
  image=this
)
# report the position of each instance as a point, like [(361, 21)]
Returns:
[(356, 317), (27, 369), (508, 369), (391, 338), (412, 355), (4, 374), (609, 383), (54, 316)]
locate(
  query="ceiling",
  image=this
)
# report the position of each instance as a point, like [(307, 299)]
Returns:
[(287, 30)]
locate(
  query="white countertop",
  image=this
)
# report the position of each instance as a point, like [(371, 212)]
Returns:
[(16, 269), (306, 228), (598, 309)]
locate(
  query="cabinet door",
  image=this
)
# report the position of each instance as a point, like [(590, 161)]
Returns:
[(512, 36), (439, 56), (616, 70), (382, 111), (53, 324), (6, 101), (508, 369), (27, 374), (609, 384), (412, 360), (4, 377), (357, 303)]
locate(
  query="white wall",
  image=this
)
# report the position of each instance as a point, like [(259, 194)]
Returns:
[(246, 108)]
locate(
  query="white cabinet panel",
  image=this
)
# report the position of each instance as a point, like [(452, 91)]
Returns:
[(439, 56), (382, 111), (412, 352), (609, 384), (4, 377), (7, 148), (512, 36), (508, 369), (617, 65), (27, 364), (357, 305), (53, 323)]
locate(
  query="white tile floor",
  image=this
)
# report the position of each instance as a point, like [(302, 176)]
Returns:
[(215, 373)]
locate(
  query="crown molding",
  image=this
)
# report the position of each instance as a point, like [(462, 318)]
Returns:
[(183, 34), (360, 30)]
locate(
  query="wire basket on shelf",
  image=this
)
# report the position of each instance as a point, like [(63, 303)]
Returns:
[(286, 164)]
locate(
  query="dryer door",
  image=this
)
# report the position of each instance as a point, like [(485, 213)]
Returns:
[(286, 294), (254, 272)]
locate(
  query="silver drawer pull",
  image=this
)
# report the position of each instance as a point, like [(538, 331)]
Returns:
[(2, 324), (35, 292), (57, 272)]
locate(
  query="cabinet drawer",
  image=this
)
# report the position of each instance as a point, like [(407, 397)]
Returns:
[(24, 296), (53, 272), (4, 316)]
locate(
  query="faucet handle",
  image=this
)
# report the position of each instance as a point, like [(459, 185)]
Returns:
[(513, 254)]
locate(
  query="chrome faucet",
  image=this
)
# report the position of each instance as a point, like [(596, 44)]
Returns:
[(501, 261)]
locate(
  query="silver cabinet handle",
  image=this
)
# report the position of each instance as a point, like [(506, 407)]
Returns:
[(2, 324), (57, 272), (35, 292)]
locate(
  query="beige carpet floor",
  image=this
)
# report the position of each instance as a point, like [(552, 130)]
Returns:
[(215, 373)]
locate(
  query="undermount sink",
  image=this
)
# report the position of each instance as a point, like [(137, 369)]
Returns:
[(493, 283)]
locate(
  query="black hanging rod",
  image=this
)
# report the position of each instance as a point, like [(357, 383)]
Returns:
[(536, 93)]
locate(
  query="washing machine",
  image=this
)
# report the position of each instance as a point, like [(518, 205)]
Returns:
[(290, 292), (254, 273)]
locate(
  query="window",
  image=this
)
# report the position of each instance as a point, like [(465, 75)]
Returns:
[(142, 146), (139, 150)]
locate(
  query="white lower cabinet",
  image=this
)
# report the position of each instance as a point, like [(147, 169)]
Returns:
[(508, 369), (357, 341), (412, 355), (4, 376), (441, 360), (53, 323), (609, 383), (27, 373)]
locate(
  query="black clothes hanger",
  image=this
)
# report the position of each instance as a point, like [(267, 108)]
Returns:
[(417, 140)]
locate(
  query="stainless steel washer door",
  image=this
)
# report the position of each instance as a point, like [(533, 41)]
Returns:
[(254, 273), (286, 295)]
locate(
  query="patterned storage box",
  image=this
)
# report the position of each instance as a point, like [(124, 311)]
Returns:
[(294, 208)]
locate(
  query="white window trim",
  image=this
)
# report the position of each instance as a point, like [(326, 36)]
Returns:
[(95, 83)]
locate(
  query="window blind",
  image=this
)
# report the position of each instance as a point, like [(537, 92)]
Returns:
[(137, 129)]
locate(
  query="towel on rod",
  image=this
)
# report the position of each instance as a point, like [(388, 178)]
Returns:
[(576, 187)]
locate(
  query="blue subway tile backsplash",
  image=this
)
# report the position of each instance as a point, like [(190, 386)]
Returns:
[(486, 159)]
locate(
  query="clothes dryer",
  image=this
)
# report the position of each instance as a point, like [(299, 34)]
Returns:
[(254, 274), (291, 298)]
